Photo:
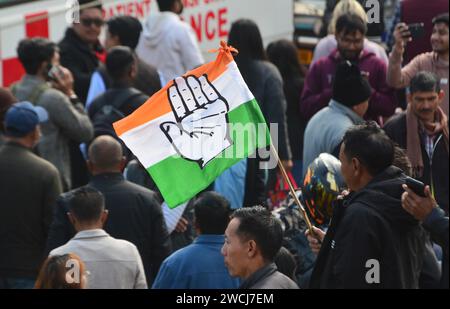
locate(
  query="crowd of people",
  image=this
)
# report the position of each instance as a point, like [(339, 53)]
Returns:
[(353, 128)]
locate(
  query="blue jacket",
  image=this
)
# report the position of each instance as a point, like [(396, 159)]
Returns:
[(325, 131), (197, 266)]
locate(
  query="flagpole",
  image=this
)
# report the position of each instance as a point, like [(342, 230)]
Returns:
[(291, 188)]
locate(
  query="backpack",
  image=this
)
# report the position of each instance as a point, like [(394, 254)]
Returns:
[(35, 93), (110, 112)]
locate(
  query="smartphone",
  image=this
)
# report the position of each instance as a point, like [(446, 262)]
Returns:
[(417, 30), (416, 186), (53, 72)]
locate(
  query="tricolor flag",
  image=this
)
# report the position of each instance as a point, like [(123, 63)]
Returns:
[(192, 130)]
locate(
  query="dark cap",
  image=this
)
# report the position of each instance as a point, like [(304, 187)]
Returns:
[(350, 87), (22, 118)]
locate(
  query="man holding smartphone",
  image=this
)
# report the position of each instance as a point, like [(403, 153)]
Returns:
[(435, 61), (67, 119)]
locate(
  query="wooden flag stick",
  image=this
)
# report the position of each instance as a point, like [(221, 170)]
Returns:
[(291, 188)]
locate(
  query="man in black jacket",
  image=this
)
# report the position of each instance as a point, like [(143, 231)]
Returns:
[(134, 214), (121, 66), (29, 187), (80, 50), (372, 242), (80, 45), (121, 99), (423, 131)]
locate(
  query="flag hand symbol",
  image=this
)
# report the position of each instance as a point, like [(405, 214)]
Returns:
[(200, 132)]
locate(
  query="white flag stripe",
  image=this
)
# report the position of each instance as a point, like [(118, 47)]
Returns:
[(149, 143)]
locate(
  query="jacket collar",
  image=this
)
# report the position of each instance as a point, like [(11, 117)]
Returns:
[(210, 239), (17, 146), (91, 234), (32, 80), (259, 275), (107, 177), (390, 174), (73, 37), (341, 108)]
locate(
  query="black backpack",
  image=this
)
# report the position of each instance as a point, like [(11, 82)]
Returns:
[(111, 110)]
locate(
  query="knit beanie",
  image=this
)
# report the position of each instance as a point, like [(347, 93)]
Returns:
[(350, 87)]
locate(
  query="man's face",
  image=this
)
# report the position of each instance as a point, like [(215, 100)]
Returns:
[(350, 45), (37, 136), (347, 169), (56, 59), (111, 41), (439, 38), (179, 7), (46, 66), (425, 104), (361, 109), (235, 251), (90, 26)]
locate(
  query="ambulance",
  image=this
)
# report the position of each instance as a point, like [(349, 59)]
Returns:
[(210, 19)]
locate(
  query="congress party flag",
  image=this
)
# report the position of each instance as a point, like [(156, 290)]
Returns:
[(196, 127)]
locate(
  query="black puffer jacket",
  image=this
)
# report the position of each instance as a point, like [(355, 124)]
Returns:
[(80, 59), (371, 225)]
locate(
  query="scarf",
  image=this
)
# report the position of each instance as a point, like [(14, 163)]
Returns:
[(413, 146)]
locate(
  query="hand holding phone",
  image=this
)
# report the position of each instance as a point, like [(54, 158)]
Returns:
[(63, 79), (416, 186), (416, 30), (54, 73)]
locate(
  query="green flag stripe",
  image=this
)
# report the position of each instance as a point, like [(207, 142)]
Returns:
[(179, 179)]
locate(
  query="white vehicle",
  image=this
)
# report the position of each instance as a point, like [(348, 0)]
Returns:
[(210, 20)]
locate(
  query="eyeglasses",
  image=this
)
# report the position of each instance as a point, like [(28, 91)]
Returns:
[(87, 22)]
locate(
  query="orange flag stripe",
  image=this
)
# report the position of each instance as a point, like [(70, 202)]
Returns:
[(158, 105)]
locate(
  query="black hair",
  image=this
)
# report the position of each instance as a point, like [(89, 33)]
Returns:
[(402, 161), (166, 5), (127, 28), (89, 4), (119, 61), (350, 23), (258, 224), (283, 54), (371, 146), (441, 18), (86, 204), (246, 38), (33, 52), (212, 213), (424, 81)]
